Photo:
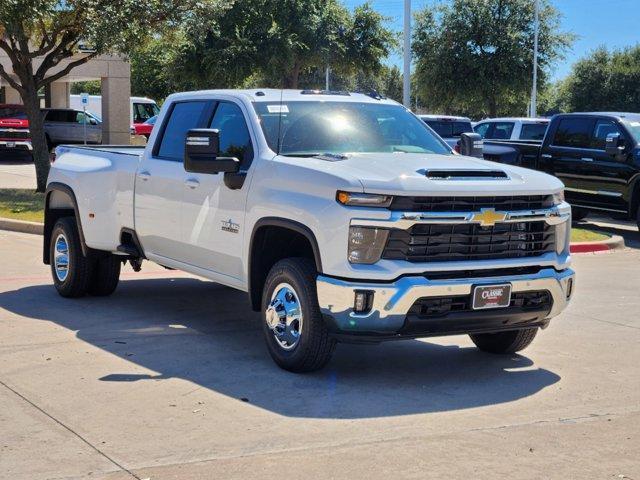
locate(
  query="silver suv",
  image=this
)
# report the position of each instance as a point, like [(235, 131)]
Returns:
[(66, 125)]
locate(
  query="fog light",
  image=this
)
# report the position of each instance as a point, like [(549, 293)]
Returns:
[(363, 301)]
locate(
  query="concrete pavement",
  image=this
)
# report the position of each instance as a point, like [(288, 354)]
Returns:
[(16, 171), (169, 378)]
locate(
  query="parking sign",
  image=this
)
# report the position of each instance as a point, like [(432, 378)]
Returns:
[(85, 98)]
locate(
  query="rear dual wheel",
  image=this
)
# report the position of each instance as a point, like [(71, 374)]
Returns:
[(74, 274)]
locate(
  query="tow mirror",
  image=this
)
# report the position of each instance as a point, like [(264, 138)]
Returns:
[(614, 144), (201, 149), (471, 145)]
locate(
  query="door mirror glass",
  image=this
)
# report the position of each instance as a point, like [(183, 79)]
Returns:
[(471, 145), (614, 143), (202, 146)]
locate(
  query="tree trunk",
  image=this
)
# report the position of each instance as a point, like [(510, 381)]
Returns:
[(292, 80), (36, 128)]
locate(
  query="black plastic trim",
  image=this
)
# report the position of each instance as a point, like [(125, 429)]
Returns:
[(48, 227)]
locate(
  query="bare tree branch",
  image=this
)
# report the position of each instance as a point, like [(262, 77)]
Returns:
[(10, 81), (65, 71)]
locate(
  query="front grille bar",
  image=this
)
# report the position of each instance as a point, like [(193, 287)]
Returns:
[(405, 220)]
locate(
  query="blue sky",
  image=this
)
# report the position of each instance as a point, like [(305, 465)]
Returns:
[(614, 23)]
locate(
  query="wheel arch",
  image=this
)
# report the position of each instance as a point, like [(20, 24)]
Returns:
[(289, 236), (59, 201)]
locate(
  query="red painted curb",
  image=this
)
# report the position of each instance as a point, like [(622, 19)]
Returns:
[(588, 247)]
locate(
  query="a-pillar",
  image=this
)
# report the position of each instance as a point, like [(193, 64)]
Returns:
[(116, 110)]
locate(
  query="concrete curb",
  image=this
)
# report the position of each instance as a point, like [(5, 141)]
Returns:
[(616, 242), (22, 226)]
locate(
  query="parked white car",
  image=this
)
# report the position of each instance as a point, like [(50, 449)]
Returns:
[(142, 108), (531, 129), (343, 216)]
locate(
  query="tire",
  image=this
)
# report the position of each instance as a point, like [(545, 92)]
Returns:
[(290, 290), (638, 217), (106, 275), (505, 342), (578, 214), (70, 269)]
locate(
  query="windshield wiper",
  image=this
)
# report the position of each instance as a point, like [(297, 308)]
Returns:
[(335, 156)]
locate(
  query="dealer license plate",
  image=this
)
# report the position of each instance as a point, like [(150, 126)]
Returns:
[(11, 144), (491, 296)]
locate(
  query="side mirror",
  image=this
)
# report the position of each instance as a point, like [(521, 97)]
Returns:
[(471, 145), (93, 121), (614, 144), (201, 149)]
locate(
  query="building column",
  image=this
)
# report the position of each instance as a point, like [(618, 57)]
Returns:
[(11, 95), (116, 110), (60, 92)]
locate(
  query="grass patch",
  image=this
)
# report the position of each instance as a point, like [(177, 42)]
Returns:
[(582, 235), (22, 204)]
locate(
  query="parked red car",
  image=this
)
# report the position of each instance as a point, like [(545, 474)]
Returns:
[(146, 127), (14, 129)]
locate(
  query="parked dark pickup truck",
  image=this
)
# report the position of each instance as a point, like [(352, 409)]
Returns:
[(596, 155)]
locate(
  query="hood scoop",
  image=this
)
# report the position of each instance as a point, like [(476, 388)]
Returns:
[(466, 175)]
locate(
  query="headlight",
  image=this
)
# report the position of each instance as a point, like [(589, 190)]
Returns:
[(366, 244), (558, 198), (562, 234), (363, 199)]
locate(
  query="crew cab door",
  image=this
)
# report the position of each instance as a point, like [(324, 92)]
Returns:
[(576, 155), (160, 182), (213, 209)]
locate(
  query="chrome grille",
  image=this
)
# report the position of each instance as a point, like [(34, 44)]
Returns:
[(454, 242), (471, 204)]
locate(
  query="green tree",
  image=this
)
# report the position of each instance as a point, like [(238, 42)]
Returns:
[(604, 80), (52, 30), (475, 56), (280, 43)]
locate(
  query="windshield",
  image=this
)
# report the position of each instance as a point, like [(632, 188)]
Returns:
[(448, 128), (316, 128), (634, 128), (13, 112)]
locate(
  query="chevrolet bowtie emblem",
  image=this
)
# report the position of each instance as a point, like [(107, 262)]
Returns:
[(488, 217)]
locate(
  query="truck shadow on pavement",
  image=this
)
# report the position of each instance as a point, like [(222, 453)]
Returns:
[(206, 334)]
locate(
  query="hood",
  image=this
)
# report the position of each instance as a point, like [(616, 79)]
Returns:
[(13, 123), (409, 174)]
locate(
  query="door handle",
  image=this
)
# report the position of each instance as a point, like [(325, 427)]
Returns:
[(144, 175), (192, 183), (586, 159)]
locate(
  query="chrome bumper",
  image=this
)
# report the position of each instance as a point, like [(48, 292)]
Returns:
[(392, 301), (17, 145)]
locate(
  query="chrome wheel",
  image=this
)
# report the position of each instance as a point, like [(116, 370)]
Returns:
[(61, 257), (284, 316)]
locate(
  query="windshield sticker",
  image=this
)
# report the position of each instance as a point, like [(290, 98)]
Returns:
[(278, 109)]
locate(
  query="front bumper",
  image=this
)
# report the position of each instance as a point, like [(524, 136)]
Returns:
[(393, 301)]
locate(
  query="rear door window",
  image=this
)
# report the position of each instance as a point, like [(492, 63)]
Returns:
[(183, 117), (533, 131), (482, 129), (574, 132), (449, 128), (62, 116), (500, 131)]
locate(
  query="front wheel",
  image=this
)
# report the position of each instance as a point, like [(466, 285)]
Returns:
[(296, 335), (505, 342)]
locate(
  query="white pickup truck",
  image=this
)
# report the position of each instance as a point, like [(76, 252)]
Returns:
[(341, 214)]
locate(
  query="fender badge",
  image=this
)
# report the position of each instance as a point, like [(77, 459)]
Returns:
[(488, 217), (230, 226)]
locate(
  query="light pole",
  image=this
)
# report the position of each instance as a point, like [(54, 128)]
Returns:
[(406, 74), (534, 89)]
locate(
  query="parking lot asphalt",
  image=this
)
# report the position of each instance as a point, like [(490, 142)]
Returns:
[(169, 378)]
